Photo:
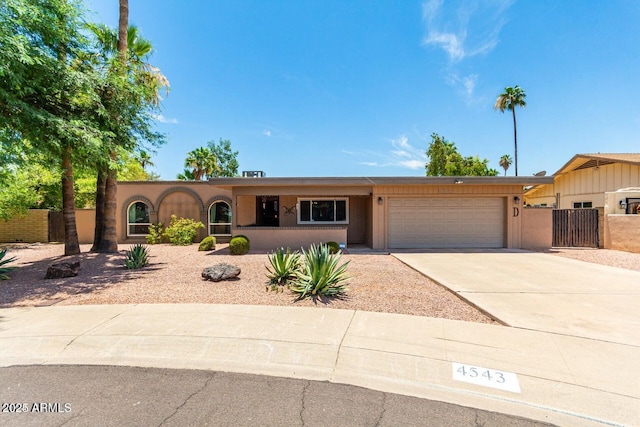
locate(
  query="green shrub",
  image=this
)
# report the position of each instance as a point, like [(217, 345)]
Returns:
[(239, 245), (207, 244), (284, 266), (181, 231), (137, 256), (155, 234), (320, 274), (334, 247), (3, 262)]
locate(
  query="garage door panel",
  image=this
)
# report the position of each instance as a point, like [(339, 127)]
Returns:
[(446, 222)]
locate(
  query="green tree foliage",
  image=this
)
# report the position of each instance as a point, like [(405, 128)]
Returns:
[(445, 160), (511, 98), (226, 158), (48, 88), (214, 160)]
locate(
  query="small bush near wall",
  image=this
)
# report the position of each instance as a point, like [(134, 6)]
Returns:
[(207, 244), (181, 231), (239, 245), (155, 235)]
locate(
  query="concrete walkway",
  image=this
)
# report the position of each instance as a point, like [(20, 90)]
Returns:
[(562, 379)]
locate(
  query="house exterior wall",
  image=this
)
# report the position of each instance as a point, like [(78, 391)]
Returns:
[(30, 229), (537, 232), (586, 185), (513, 223), (622, 232), (189, 199), (85, 225)]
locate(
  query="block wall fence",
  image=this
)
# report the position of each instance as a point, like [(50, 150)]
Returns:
[(30, 229)]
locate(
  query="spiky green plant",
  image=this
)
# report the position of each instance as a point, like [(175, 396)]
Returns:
[(284, 265), (3, 262), (137, 256), (320, 274)]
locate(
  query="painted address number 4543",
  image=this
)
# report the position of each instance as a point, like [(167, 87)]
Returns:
[(478, 375)]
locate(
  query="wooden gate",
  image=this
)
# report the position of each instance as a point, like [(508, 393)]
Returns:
[(575, 228), (56, 226)]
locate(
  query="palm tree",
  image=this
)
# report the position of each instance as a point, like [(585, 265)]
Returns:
[(505, 162), (144, 159), (511, 98), (202, 163)]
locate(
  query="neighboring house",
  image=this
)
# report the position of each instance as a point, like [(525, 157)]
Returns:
[(583, 180), (379, 213)]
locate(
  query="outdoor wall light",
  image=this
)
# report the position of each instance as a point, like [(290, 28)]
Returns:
[(623, 204), (458, 181), (516, 200), (380, 200)]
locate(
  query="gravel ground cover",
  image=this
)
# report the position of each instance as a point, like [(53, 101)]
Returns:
[(379, 282)]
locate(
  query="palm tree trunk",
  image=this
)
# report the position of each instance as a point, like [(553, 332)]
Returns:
[(100, 190), (71, 245), (109, 239), (515, 139)]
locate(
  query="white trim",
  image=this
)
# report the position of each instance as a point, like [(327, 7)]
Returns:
[(317, 199), (229, 224), (129, 224)]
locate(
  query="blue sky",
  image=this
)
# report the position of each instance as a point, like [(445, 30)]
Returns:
[(356, 88)]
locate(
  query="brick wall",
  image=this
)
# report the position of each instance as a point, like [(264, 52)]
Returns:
[(32, 228)]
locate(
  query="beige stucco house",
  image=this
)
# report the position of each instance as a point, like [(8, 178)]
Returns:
[(379, 213), (583, 181)]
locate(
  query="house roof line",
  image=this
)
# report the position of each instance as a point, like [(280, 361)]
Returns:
[(374, 181), (572, 164)]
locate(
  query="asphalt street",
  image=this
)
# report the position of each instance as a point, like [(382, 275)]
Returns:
[(56, 395)]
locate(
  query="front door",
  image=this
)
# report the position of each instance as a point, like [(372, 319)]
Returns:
[(267, 213)]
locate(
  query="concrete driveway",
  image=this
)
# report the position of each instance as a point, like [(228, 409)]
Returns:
[(539, 291)]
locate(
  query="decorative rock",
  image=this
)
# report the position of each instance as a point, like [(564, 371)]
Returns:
[(63, 269), (220, 272)]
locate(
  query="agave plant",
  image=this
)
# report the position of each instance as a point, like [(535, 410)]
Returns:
[(3, 262), (321, 274), (137, 256), (284, 265)]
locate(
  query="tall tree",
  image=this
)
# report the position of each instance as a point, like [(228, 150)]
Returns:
[(47, 88), (139, 84), (226, 158), (445, 160), (511, 98), (505, 162)]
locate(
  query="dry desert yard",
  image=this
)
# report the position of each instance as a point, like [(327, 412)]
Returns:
[(379, 282)]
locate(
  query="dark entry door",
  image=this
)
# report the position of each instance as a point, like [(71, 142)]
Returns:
[(267, 213), (575, 227)]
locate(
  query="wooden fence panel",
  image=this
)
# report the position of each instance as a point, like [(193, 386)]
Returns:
[(575, 228)]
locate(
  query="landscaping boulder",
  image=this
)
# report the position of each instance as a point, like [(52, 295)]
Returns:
[(63, 269), (220, 272)]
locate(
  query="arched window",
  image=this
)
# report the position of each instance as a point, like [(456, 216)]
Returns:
[(138, 219), (220, 219)]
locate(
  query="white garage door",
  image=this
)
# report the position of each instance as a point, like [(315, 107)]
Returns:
[(446, 223)]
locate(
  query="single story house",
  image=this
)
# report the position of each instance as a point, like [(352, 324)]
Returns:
[(583, 181), (376, 212)]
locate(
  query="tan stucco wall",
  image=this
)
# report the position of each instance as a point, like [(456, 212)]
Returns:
[(271, 238), (622, 232), (537, 231), (85, 225), (187, 199), (30, 229)]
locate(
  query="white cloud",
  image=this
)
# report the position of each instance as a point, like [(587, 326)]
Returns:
[(266, 132), (468, 29), (162, 119), (401, 154)]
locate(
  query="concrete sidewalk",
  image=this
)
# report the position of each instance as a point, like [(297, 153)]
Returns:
[(562, 379)]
